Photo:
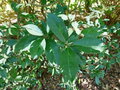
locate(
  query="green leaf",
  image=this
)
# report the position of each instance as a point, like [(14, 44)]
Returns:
[(57, 26), (91, 32), (13, 72), (60, 9), (69, 63), (97, 80), (24, 42), (11, 42), (3, 73), (12, 59), (89, 44), (25, 63), (14, 6), (49, 54), (43, 2), (53, 51), (86, 49), (2, 82), (56, 51), (36, 49), (1, 57), (13, 30), (33, 29), (23, 88)]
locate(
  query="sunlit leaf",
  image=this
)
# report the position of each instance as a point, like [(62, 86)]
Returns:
[(33, 29)]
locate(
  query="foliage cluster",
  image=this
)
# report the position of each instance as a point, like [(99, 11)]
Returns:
[(57, 37)]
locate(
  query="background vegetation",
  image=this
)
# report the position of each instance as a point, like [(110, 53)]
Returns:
[(59, 44)]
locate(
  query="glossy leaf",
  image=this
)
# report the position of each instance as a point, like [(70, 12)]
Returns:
[(69, 63), (43, 44), (33, 29), (57, 26)]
